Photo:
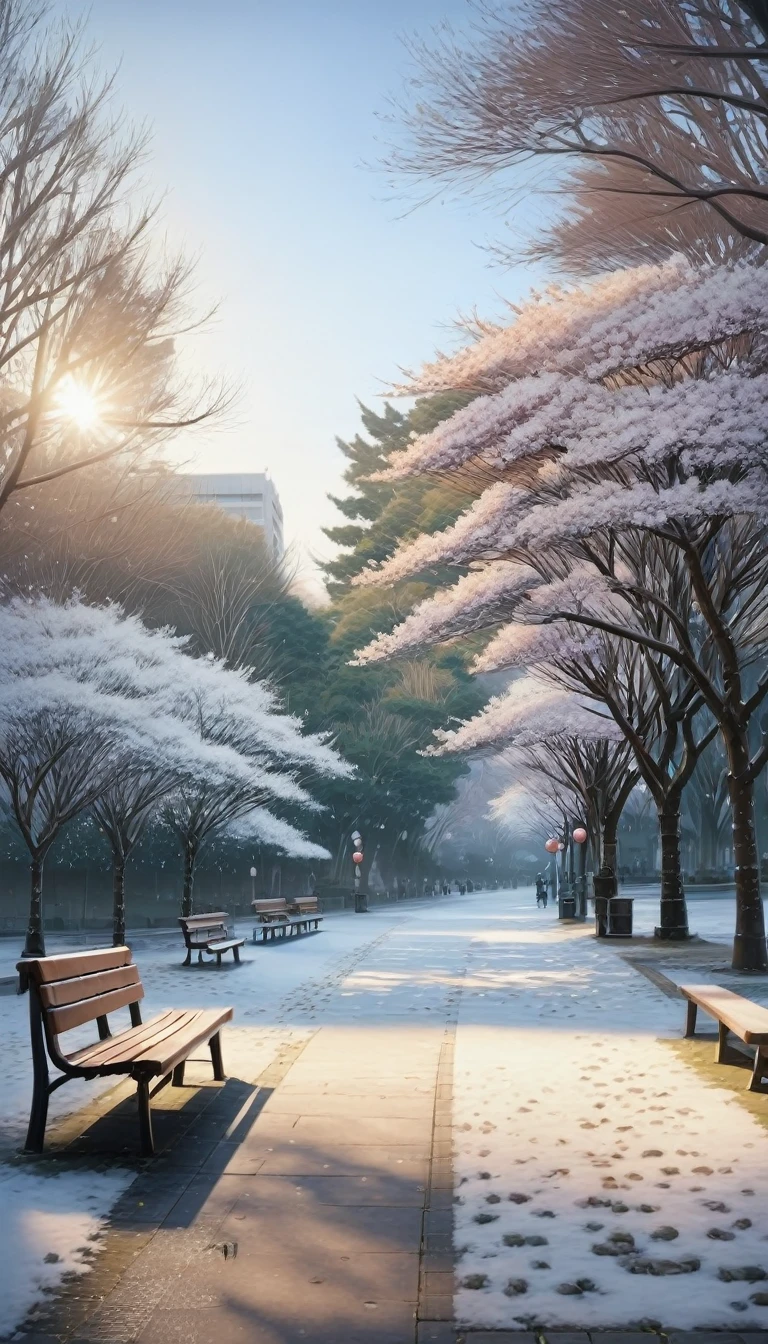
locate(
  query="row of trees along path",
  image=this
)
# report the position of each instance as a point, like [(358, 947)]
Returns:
[(618, 536)]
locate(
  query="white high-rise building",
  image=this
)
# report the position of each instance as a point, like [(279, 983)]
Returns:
[(250, 495)]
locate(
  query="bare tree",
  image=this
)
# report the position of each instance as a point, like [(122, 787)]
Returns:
[(649, 119), (88, 318)]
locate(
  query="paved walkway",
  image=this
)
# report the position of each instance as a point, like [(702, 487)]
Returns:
[(313, 1202)]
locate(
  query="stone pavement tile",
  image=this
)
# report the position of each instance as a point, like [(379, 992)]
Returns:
[(389, 1085), (366, 1130), (566, 1336), (207, 1197), (292, 1160), (436, 1332), (394, 1191), (334, 1227), (438, 1222), (436, 1307), (233, 1160), (149, 1200), (437, 1260), (507, 1337), (384, 1323), (264, 1279), (437, 1283), (352, 1105), (711, 1336), (620, 1336), (270, 1129)]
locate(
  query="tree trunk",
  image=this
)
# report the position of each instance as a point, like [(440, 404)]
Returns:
[(673, 914), (34, 945), (118, 900), (189, 878), (749, 948), (610, 850)]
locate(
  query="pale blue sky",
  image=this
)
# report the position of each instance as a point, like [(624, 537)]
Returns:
[(263, 113)]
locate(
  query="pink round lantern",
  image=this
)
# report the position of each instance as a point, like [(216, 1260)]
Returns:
[(357, 857), (579, 835), (552, 846)]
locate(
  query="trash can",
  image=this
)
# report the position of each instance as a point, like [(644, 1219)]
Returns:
[(361, 903), (605, 890), (620, 917), (567, 907)]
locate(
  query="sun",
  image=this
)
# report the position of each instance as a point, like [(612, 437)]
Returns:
[(77, 403)]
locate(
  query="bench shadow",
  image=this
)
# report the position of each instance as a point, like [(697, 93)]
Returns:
[(186, 1131)]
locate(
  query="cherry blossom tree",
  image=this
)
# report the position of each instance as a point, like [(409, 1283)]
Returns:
[(558, 743), (624, 439), (644, 125)]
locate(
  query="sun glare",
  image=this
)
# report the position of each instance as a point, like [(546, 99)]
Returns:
[(77, 403)]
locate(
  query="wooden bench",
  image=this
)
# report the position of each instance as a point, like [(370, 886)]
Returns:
[(277, 916), (733, 1013), (273, 918), (209, 933), (78, 987), (306, 910)]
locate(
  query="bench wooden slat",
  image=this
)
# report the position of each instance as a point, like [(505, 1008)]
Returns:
[(160, 1057), (226, 945), (86, 1010), (66, 964), (171, 1037), (212, 921), (83, 987), (105, 1054), (747, 1020)]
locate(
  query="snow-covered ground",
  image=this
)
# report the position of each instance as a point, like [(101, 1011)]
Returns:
[(563, 1095), (50, 1221), (50, 1226), (601, 1182)]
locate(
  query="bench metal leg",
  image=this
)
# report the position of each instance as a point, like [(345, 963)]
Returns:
[(236, 953), (218, 958), (690, 1019), (188, 959), (38, 1114), (216, 1058), (145, 1118), (759, 1071), (177, 1079), (721, 1053)]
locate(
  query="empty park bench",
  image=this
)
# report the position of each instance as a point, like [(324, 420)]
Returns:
[(305, 910), (275, 916), (209, 933), (733, 1013), (69, 990)]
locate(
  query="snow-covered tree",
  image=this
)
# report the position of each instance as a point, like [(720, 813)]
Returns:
[(624, 436), (269, 753), (98, 711)]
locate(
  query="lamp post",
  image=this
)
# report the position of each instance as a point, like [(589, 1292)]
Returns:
[(361, 901), (552, 847), (254, 873), (579, 837)]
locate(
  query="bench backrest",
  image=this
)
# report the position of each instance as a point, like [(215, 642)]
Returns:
[(78, 987), (198, 929), (269, 909), (305, 905)]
